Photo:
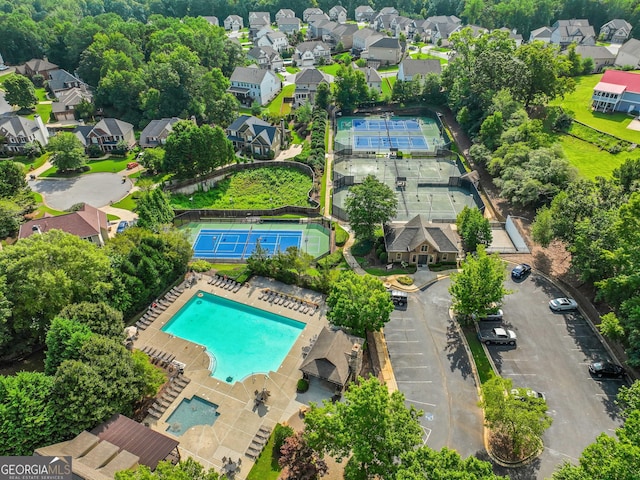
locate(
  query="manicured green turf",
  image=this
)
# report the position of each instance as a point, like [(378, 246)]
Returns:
[(485, 372), (112, 218), (579, 102), (266, 467), (42, 109), (277, 105), (387, 85), (291, 69), (251, 189), (41, 93), (389, 68), (41, 208), (127, 203), (113, 165), (426, 56), (331, 69), (590, 161)]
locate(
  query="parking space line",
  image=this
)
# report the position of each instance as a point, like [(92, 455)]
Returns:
[(413, 381), (397, 354), (417, 366), (523, 374), (403, 341), (420, 403), (427, 432)]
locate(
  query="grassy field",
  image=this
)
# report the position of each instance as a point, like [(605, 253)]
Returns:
[(331, 69), (257, 188), (291, 69), (41, 208), (277, 105), (127, 203), (42, 109), (579, 102), (426, 56), (387, 85), (590, 161), (485, 372), (111, 165)]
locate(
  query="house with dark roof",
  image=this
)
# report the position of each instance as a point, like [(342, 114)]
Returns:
[(389, 11), (37, 66), (252, 135), (113, 446), (307, 54), (60, 80), (64, 108), (615, 31), (213, 20), (19, 131), (289, 25), (409, 68), (156, 132), (343, 34), (575, 30), (617, 91), (108, 134), (602, 57), (233, 23), (365, 13), (338, 14), (372, 77), (629, 54), (383, 21), (403, 25), (315, 22), (308, 12), (88, 223), (386, 51), (253, 84), (307, 82), (421, 242), (334, 357), (442, 26), (363, 38), (266, 57), (257, 21), (542, 34)]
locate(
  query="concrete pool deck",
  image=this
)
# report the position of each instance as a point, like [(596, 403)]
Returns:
[(238, 423)]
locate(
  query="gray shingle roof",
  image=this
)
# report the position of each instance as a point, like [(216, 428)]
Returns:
[(631, 46), (329, 357), (248, 75), (16, 126), (413, 67), (587, 51), (386, 42), (311, 76), (409, 236), (62, 80), (156, 128), (112, 127)]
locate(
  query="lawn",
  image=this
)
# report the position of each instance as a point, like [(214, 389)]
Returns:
[(387, 85), (331, 69), (291, 69), (389, 68), (258, 188), (266, 467), (590, 161), (41, 93), (127, 203), (426, 56), (277, 105), (579, 102), (30, 163), (41, 208), (42, 109), (111, 165), (485, 372)]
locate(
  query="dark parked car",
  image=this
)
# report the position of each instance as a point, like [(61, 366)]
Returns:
[(122, 226), (519, 271), (606, 369)]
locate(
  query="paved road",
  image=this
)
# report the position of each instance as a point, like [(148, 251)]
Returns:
[(552, 356), (432, 370), (4, 106)]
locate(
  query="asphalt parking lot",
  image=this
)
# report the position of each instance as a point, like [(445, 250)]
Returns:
[(432, 370), (552, 356)]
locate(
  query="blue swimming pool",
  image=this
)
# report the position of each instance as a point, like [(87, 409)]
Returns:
[(241, 340), (191, 412)]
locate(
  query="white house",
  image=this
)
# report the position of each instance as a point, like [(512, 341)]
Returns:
[(629, 54), (233, 23), (615, 31), (18, 131), (156, 132), (276, 40), (576, 30), (266, 57), (542, 34), (410, 67), (373, 78), (307, 82), (364, 37), (251, 84), (307, 54), (257, 21), (338, 14), (364, 13), (285, 13), (311, 11)]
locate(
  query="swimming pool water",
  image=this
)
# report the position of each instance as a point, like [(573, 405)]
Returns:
[(192, 411), (243, 340)]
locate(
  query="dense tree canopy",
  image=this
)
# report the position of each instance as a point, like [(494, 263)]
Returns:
[(473, 228), (369, 205), (19, 91), (68, 151), (188, 469), (154, 210)]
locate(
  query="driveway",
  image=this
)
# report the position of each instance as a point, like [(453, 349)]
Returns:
[(552, 356), (96, 189), (432, 370)]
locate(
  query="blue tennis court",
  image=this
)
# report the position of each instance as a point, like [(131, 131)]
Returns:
[(384, 125), (402, 142), (239, 245)]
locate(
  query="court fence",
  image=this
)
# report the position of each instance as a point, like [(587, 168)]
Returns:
[(184, 217)]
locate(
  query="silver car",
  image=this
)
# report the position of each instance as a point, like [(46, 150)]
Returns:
[(563, 304)]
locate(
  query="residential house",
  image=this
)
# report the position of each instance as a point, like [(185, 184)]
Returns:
[(64, 108), (212, 20), (629, 54), (307, 82), (314, 22), (601, 56), (257, 21), (18, 131), (409, 68), (37, 66), (308, 54), (251, 134), (373, 78), (233, 23), (156, 132), (364, 13), (389, 11), (276, 40), (615, 31), (60, 80), (343, 34), (324, 29), (420, 242), (382, 22), (542, 34), (108, 134), (565, 32), (335, 357), (403, 25), (309, 12), (442, 26), (363, 38), (513, 35), (386, 51), (285, 13), (253, 84), (289, 25), (266, 57), (617, 91), (88, 223), (338, 14)]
